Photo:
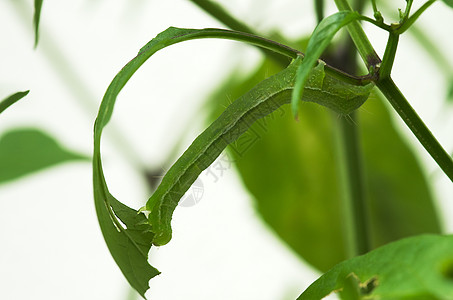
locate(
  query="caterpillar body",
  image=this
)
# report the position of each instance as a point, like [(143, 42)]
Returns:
[(260, 101)]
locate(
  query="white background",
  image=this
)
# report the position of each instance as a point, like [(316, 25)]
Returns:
[(50, 243)]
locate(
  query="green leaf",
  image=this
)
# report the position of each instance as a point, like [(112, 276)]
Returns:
[(24, 151), (322, 87), (197, 158), (5, 103), (290, 168), (129, 249), (36, 18), (353, 289), (413, 268), (129, 245), (171, 36), (320, 39)]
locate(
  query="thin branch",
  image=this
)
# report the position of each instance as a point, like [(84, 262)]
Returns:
[(416, 125)]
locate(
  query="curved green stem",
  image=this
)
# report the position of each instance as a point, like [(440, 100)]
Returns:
[(416, 125), (259, 41), (173, 36), (248, 38), (223, 16)]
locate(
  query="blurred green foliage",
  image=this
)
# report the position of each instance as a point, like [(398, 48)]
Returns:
[(27, 150)]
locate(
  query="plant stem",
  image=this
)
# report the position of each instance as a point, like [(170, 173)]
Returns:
[(416, 125), (407, 23), (355, 208), (354, 203), (360, 39), (375, 9), (400, 104), (223, 16), (389, 55), (319, 10), (407, 10)]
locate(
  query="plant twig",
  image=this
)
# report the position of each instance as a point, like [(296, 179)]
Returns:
[(389, 55), (360, 39), (354, 204), (223, 16), (407, 23), (416, 125), (319, 10)]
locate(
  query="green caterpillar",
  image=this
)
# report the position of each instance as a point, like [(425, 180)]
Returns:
[(262, 100)]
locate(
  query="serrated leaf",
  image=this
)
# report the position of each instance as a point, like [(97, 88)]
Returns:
[(290, 168), (413, 268), (25, 151), (7, 102), (36, 19), (319, 40)]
